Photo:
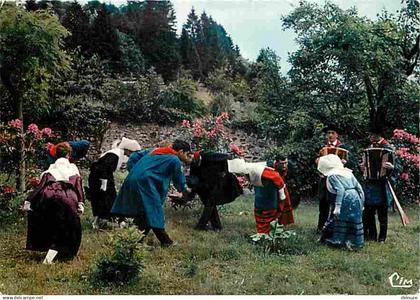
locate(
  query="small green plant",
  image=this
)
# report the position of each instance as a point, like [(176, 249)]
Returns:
[(124, 264), (278, 241)]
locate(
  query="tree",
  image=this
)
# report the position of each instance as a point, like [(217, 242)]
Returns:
[(190, 39), (77, 22), (348, 63), (205, 46), (152, 25), (31, 47), (104, 38), (132, 59)]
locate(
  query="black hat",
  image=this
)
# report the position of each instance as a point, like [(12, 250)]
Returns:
[(332, 127), (377, 130)]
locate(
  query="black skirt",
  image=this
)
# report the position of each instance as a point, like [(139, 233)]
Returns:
[(53, 224)]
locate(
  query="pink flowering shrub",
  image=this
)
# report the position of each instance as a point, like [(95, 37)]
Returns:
[(34, 140), (407, 151), (211, 135), (208, 134)]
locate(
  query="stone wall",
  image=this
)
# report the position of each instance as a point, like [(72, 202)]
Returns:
[(153, 135)]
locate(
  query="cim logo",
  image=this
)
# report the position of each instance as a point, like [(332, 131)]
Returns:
[(397, 281)]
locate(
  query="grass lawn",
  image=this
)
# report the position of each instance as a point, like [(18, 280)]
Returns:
[(223, 262)]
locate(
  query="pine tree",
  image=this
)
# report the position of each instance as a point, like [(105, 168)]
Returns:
[(104, 39), (190, 44), (77, 22)]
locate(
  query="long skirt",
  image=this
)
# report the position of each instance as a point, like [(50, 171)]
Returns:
[(101, 201), (346, 229), (53, 224)]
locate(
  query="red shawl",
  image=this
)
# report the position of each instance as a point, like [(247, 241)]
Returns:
[(164, 151)]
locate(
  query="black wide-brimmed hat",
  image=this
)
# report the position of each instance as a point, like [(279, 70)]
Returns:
[(332, 127), (377, 130)]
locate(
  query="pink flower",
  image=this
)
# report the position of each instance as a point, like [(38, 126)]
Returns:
[(404, 176), (185, 123), (33, 128), (9, 190), (224, 116), (46, 131), (33, 181), (212, 133), (243, 182), (414, 139), (17, 123), (234, 148), (198, 129)]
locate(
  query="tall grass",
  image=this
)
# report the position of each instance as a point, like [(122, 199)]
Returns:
[(221, 262)]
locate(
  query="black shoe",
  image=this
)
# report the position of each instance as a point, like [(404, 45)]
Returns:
[(201, 227)]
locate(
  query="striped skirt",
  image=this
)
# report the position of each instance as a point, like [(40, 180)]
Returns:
[(339, 232)]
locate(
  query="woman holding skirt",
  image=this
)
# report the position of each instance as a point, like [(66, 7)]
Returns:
[(344, 227)]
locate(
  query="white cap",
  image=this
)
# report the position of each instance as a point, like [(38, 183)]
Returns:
[(128, 144), (331, 164)]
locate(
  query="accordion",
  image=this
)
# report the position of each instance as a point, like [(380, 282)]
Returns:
[(340, 152), (373, 160)]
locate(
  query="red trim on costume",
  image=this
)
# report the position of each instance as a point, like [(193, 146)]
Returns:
[(52, 150), (197, 155), (164, 150), (286, 210), (274, 176), (383, 142), (338, 144)]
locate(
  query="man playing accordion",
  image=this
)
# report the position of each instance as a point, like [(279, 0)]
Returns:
[(378, 197)]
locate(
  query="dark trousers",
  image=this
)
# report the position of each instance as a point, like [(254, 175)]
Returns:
[(160, 233), (324, 203), (210, 214), (369, 222)]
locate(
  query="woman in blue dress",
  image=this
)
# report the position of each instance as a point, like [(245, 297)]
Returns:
[(344, 227)]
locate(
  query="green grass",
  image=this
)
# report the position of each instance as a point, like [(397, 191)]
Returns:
[(223, 262)]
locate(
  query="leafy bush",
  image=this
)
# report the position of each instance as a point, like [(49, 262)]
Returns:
[(207, 134), (278, 241), (180, 95), (222, 103), (138, 100), (407, 150), (124, 264), (10, 202), (34, 142), (77, 116)]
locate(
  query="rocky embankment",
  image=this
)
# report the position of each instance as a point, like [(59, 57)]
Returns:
[(153, 135)]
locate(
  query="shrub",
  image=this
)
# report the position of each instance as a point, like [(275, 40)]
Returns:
[(78, 116), (207, 134), (180, 95), (34, 141), (407, 149), (278, 241), (124, 264), (10, 202)]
